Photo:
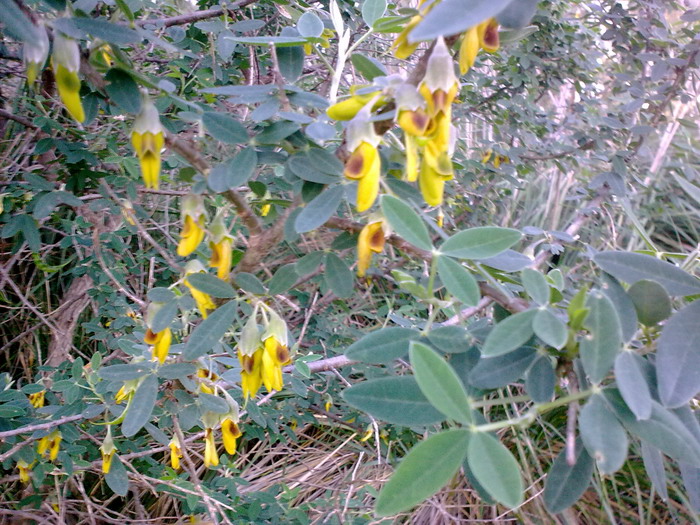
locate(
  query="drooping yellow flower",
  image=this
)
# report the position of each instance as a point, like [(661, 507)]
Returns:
[(415, 123), (37, 399), (351, 106), (488, 35), (175, 453), (274, 357), (251, 372), (147, 139), (208, 375), (230, 433), (193, 218), (24, 469), (107, 450), (50, 443), (468, 49), (66, 64), (221, 245), (363, 164), (371, 240), (431, 183), (203, 300), (401, 46), (126, 391), (211, 457), (161, 343), (36, 52)]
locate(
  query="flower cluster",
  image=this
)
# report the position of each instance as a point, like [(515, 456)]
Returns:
[(230, 432), (262, 352)]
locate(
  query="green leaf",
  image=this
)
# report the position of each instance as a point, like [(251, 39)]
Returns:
[(550, 328), (632, 267), (373, 10), (495, 372), (623, 306), (224, 128), (338, 276), (450, 339), (278, 41), (565, 484), (541, 380), (325, 162), (405, 222), (651, 302), (213, 403), (123, 91), (160, 295), (235, 172), (277, 132), (16, 24), (382, 346), (117, 478), (251, 284), (368, 67), (678, 356), (319, 210), (439, 382), (450, 17), (209, 331), (458, 281), (662, 429), (176, 370), (212, 285), (309, 262), (107, 31), (654, 465), (424, 470), (495, 469), (535, 285), (396, 400), (283, 280), (480, 243), (509, 334), (603, 435), (141, 406), (604, 340), (48, 202), (306, 168), (124, 372), (309, 25), (632, 383), (164, 316), (291, 62)]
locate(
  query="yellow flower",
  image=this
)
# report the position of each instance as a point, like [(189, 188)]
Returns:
[(488, 35), (468, 49), (35, 53), (432, 184), (274, 357), (251, 372), (203, 373), (221, 245), (148, 140), (230, 433), (402, 48), (24, 469), (203, 300), (193, 217), (348, 108), (66, 63), (175, 453), (107, 449), (50, 443), (371, 240), (37, 399), (160, 342), (211, 457), (364, 165)]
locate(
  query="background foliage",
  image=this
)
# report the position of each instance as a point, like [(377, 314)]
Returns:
[(528, 350)]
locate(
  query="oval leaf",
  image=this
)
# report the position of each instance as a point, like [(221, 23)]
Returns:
[(319, 210), (338, 276), (600, 347), (651, 302), (209, 331), (382, 346), (495, 469), (632, 384), (141, 406), (678, 356), (458, 281), (396, 400), (212, 285), (425, 469), (541, 380), (550, 329), (405, 222), (509, 334), (450, 17), (480, 243), (439, 382), (224, 128), (495, 372), (565, 484), (535, 285), (603, 435), (632, 267)]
